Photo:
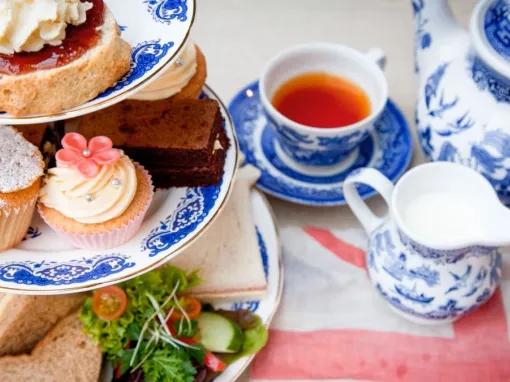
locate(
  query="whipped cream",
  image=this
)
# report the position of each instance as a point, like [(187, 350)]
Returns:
[(28, 25), (91, 200), (174, 79)]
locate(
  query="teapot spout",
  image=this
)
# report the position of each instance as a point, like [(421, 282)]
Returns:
[(437, 34)]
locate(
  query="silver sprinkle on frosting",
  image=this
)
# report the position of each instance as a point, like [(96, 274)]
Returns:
[(116, 182), (89, 198), (86, 153)]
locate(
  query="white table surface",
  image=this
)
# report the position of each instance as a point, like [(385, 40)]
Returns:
[(239, 36)]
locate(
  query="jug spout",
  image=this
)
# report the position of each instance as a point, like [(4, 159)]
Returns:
[(437, 34), (498, 234)]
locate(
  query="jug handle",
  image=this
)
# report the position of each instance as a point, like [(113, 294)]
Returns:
[(374, 179)]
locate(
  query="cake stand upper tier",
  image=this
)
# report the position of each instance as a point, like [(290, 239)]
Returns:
[(156, 31)]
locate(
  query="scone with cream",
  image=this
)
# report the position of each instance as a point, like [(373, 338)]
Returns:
[(185, 78), (96, 196), (57, 54), (21, 169)]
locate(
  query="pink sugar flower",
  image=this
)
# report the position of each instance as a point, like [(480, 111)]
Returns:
[(87, 159)]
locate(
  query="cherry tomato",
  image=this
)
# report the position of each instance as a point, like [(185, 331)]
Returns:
[(191, 305), (170, 326), (109, 303), (213, 363)]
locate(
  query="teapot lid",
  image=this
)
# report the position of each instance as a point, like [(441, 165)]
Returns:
[(490, 32)]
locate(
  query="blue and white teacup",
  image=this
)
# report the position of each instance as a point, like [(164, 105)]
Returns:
[(311, 147)]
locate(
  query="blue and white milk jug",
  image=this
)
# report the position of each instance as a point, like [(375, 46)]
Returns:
[(436, 255)]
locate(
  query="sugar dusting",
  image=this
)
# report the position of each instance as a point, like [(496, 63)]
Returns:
[(20, 161)]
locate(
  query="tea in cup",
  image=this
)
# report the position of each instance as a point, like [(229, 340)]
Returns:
[(323, 100)]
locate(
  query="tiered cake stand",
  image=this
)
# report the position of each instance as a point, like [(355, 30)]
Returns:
[(45, 264)]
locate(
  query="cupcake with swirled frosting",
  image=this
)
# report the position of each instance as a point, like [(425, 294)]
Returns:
[(95, 196)]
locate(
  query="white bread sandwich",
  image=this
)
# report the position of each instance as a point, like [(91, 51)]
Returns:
[(65, 354), (24, 320), (227, 256), (53, 87)]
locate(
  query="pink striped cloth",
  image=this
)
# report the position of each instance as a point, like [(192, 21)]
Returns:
[(332, 325)]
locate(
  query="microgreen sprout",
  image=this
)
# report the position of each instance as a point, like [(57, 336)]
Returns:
[(156, 327), (150, 320), (184, 314)]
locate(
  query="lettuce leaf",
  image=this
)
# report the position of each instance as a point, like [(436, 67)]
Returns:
[(167, 364), (112, 336), (255, 338)]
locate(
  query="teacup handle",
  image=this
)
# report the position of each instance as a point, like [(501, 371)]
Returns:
[(378, 182), (378, 56)]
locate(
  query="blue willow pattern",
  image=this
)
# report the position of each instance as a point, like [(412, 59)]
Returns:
[(165, 11)]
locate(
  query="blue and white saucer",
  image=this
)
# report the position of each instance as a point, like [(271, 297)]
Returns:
[(388, 149)]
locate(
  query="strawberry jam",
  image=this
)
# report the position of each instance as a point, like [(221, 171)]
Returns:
[(79, 39)]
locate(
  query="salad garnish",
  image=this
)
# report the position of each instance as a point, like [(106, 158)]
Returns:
[(151, 329)]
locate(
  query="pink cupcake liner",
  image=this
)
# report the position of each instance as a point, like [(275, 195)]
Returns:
[(107, 239)]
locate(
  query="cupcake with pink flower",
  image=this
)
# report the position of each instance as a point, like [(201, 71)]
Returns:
[(95, 196)]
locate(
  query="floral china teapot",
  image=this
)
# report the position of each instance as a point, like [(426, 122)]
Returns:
[(463, 107)]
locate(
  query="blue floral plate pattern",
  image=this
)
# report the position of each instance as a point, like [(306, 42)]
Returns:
[(45, 264), (156, 31), (388, 149)]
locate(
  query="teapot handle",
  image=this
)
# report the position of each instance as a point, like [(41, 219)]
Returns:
[(378, 56), (374, 179)]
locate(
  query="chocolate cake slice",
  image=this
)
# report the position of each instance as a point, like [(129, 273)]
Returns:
[(45, 136), (194, 176), (179, 133), (181, 143), (33, 133)]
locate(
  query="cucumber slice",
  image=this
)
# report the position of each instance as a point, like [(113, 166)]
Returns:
[(220, 334)]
